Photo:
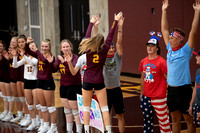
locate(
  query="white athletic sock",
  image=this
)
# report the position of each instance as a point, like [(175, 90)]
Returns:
[(86, 127), (79, 128), (69, 126)]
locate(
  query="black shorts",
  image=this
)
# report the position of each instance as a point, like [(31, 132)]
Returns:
[(4, 80), (90, 86), (46, 84), (30, 84), (70, 91), (178, 98), (115, 99), (13, 81)]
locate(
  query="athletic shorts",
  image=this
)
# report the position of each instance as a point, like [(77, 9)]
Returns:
[(70, 91), (178, 98), (5, 81), (115, 99), (195, 110), (30, 84), (90, 86), (13, 81), (46, 84)]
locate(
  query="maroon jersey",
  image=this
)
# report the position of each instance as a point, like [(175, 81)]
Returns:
[(66, 77), (4, 69), (14, 72), (95, 61), (45, 69)]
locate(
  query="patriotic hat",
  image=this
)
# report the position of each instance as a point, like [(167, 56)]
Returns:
[(153, 40), (196, 53)]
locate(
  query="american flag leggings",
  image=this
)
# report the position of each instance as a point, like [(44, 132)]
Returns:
[(159, 105)]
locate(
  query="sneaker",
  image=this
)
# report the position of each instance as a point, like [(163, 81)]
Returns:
[(17, 119), (22, 120), (44, 129), (38, 122), (8, 117), (26, 122), (41, 127), (3, 114), (53, 129), (32, 126)]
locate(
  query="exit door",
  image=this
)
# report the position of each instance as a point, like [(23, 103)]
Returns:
[(74, 19)]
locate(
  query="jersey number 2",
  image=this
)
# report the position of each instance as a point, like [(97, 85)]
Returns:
[(95, 58)]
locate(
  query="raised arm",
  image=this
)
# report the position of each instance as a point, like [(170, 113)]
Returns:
[(72, 69), (119, 47), (89, 29), (164, 22), (29, 51), (16, 63), (30, 61), (193, 33), (112, 30)]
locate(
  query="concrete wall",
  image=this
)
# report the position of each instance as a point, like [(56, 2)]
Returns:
[(100, 7), (49, 21)]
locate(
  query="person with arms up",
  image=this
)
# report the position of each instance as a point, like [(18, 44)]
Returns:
[(178, 66)]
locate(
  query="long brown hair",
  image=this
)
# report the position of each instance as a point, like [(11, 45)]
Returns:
[(93, 44)]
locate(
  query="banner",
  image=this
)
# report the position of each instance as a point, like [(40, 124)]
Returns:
[(96, 120)]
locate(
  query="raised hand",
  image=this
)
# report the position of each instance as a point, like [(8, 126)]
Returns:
[(50, 58), (6, 55), (68, 58), (21, 52), (121, 21), (61, 58), (94, 19), (13, 52), (33, 47), (118, 16), (196, 5), (98, 21), (165, 5), (29, 40)]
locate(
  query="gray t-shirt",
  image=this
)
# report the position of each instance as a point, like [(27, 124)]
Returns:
[(112, 71), (197, 97)]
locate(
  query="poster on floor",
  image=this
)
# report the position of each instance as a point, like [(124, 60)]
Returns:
[(96, 120)]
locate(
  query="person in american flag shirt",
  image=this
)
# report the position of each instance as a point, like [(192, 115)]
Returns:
[(154, 88)]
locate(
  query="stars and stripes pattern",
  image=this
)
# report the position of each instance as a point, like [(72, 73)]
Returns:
[(149, 105), (195, 110)]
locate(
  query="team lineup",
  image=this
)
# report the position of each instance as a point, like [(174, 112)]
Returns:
[(26, 79)]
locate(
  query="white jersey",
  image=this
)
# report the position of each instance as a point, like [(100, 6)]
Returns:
[(81, 63), (30, 66)]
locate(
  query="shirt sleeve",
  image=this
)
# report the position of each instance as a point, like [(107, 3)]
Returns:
[(168, 46), (41, 57), (110, 35), (187, 49), (30, 52), (16, 63), (89, 30)]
